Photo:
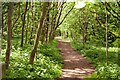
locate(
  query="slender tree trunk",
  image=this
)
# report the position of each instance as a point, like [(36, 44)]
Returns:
[(22, 39), (50, 33), (51, 29), (30, 40), (31, 23), (57, 20), (47, 27), (2, 22), (53, 34), (17, 17), (106, 34), (47, 34), (42, 36), (10, 10), (53, 22), (27, 29), (86, 34), (83, 37), (44, 11), (26, 40)]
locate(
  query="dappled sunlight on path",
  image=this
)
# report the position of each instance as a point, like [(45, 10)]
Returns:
[(75, 67)]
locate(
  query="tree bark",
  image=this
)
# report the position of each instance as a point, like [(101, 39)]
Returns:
[(10, 10), (17, 17), (27, 29), (22, 39), (44, 11), (47, 27), (106, 34), (2, 22)]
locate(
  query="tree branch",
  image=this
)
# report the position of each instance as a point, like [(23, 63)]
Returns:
[(113, 10), (58, 19), (112, 14), (64, 18)]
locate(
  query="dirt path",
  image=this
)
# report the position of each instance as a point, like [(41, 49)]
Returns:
[(75, 67)]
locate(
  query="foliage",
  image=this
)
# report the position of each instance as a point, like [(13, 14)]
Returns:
[(84, 26), (87, 31), (97, 56), (106, 72), (88, 23), (45, 66), (111, 71), (51, 51), (97, 53)]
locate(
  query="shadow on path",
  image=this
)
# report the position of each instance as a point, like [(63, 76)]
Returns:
[(75, 67)]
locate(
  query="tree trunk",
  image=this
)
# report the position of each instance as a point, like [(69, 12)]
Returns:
[(47, 27), (106, 34), (1, 18), (42, 36), (31, 24), (2, 22), (46, 40), (22, 39), (10, 8), (27, 29), (44, 11), (30, 40)]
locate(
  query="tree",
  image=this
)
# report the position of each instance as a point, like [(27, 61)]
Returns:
[(40, 26), (9, 34), (106, 34), (22, 39), (0, 24)]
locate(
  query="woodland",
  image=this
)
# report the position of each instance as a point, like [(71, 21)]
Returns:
[(29, 44)]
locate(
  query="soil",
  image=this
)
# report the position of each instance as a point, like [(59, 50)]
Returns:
[(75, 66)]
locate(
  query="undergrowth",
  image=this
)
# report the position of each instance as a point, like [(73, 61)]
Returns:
[(97, 56), (47, 64)]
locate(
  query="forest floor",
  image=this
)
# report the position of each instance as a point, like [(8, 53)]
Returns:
[(75, 66)]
